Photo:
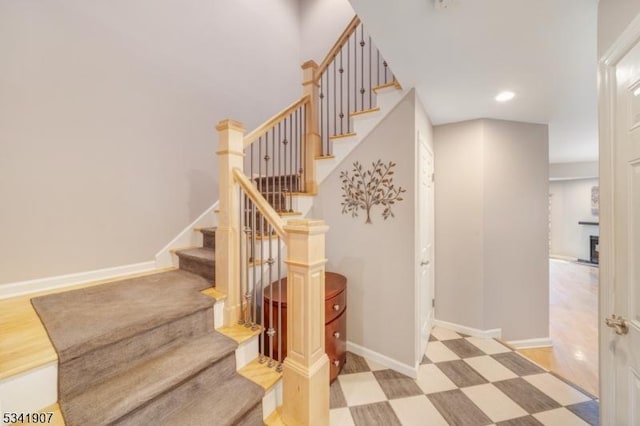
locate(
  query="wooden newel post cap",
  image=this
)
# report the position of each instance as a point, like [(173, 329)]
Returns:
[(309, 64), (229, 124)]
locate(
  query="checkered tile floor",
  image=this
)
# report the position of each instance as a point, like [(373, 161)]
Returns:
[(462, 381)]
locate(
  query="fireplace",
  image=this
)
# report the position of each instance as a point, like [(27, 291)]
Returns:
[(594, 249)]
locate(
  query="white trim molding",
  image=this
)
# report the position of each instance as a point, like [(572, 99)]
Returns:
[(377, 357), (61, 281), (540, 342), (494, 333)]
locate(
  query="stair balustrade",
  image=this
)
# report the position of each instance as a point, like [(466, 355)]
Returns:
[(348, 78), (255, 247)]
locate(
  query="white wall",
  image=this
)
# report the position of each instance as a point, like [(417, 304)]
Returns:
[(378, 258), (515, 229), (571, 203), (491, 226), (459, 195), (321, 23), (107, 112)]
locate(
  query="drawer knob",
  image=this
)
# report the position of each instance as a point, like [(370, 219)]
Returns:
[(336, 363), (336, 334), (336, 307)]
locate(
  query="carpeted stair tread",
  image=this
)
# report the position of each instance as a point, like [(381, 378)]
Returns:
[(108, 313), (131, 389), (198, 253), (227, 404)]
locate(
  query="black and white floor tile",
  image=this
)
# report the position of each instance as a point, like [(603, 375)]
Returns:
[(461, 381)]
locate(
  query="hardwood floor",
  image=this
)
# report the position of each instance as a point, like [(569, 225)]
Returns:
[(573, 296), (24, 343)]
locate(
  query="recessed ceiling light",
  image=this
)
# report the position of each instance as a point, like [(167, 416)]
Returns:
[(505, 96)]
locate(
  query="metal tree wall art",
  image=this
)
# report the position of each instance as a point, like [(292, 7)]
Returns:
[(367, 188)]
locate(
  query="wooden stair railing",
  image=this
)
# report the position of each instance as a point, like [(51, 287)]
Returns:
[(244, 213), (279, 158)]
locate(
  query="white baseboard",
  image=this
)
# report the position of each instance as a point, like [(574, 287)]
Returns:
[(30, 391), (494, 333), (407, 370), (541, 342), (186, 238), (561, 257), (61, 281)]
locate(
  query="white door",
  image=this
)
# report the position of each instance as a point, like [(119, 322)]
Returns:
[(426, 235), (620, 231)]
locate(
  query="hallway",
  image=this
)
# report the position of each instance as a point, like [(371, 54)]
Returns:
[(573, 324)]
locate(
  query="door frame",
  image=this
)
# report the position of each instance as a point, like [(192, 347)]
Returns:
[(607, 95)]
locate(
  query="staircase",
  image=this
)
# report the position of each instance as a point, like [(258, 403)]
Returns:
[(164, 363), (181, 368)]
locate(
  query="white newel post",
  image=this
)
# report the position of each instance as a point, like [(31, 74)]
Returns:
[(306, 368), (230, 156)]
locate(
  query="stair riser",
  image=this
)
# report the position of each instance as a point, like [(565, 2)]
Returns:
[(204, 268), (153, 412), (79, 374), (209, 240)]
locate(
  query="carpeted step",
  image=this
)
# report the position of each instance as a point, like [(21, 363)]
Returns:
[(208, 238), (97, 331), (278, 183), (198, 260), (148, 391), (235, 401)]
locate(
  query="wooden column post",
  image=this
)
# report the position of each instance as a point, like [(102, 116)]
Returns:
[(306, 368), (230, 156), (313, 148)]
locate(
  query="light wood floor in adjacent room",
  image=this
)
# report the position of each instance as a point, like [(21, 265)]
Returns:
[(573, 321)]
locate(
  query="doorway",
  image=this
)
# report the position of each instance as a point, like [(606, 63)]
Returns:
[(573, 278)]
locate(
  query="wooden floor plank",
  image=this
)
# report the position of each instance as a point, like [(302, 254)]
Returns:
[(573, 318)]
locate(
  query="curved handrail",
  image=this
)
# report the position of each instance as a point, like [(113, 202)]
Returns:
[(267, 125), (337, 46), (263, 205)]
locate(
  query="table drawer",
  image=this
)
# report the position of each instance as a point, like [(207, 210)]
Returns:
[(335, 306)]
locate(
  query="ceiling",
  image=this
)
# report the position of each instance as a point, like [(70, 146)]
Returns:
[(460, 57)]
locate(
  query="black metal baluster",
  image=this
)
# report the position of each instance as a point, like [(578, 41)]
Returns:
[(271, 330), (362, 44), (378, 66), (348, 90), (341, 71), (303, 125), (279, 367), (291, 173), (385, 65), (262, 358), (254, 285), (297, 144), (247, 238), (240, 229), (370, 83), (335, 109), (327, 133), (355, 70), (322, 90), (278, 192)]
